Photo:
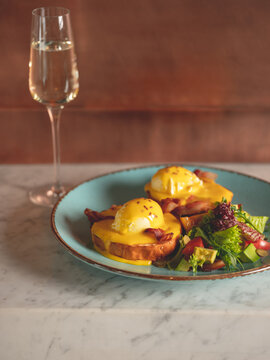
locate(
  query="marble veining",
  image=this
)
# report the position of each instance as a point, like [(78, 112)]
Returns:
[(52, 306)]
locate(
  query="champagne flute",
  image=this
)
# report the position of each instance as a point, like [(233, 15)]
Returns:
[(53, 81)]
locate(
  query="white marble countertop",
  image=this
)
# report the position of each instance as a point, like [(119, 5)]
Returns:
[(52, 306)]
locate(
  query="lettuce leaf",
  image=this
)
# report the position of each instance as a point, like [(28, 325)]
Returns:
[(226, 242), (229, 240), (195, 262), (258, 222)]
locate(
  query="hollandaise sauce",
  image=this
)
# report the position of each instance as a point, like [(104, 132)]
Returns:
[(180, 183), (129, 226)]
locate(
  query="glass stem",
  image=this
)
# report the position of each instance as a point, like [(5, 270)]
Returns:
[(54, 114)]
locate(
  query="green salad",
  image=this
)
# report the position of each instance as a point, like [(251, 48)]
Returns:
[(225, 237)]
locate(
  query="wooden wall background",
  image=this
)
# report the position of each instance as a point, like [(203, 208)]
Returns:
[(174, 80)]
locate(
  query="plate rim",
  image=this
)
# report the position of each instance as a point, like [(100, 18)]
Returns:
[(144, 276)]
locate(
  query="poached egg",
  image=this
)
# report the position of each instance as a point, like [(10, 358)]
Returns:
[(129, 225), (179, 183)]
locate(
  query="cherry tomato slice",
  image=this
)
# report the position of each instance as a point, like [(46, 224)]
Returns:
[(189, 248), (218, 264), (260, 244)]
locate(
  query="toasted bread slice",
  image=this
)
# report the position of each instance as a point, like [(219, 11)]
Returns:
[(151, 252), (188, 222)]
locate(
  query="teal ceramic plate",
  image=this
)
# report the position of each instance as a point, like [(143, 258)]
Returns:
[(71, 226)]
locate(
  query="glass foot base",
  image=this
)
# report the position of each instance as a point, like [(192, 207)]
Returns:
[(45, 195)]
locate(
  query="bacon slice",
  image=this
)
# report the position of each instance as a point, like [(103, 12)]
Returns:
[(195, 207), (169, 204), (205, 174), (95, 216), (159, 234), (250, 234)]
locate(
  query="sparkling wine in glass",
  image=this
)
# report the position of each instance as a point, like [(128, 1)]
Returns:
[(53, 81)]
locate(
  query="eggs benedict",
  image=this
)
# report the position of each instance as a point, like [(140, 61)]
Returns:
[(136, 233), (183, 188)]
